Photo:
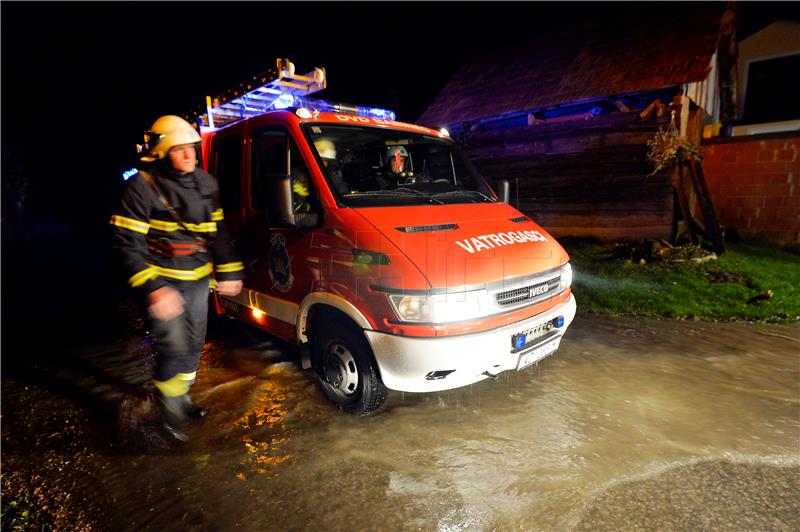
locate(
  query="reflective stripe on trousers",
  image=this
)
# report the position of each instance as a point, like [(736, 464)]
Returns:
[(179, 341)]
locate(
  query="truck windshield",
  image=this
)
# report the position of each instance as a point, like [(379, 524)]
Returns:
[(370, 167)]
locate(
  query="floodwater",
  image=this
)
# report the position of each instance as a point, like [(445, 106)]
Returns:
[(633, 423)]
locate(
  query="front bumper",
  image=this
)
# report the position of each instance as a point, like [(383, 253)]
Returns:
[(404, 362)]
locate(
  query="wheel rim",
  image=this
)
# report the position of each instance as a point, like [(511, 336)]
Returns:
[(340, 370)]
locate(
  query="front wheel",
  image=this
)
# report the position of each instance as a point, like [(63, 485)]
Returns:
[(346, 368)]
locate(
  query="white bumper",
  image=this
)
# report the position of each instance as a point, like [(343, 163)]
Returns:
[(404, 361)]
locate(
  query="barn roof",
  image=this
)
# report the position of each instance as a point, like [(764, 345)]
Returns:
[(634, 48)]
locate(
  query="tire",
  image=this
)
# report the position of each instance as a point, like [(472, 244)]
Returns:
[(346, 368)]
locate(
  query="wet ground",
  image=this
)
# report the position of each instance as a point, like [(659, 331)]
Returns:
[(632, 424)]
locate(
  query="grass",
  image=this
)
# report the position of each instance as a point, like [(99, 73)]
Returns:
[(735, 286)]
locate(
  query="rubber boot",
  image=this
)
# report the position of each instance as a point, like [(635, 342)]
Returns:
[(173, 416), (192, 410)]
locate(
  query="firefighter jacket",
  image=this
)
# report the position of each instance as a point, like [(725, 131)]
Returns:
[(155, 249)]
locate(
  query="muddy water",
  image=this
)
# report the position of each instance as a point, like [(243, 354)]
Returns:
[(631, 424), (656, 424)]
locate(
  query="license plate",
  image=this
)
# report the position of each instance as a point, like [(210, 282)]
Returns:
[(538, 353)]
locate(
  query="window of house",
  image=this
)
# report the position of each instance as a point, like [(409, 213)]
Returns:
[(771, 92)]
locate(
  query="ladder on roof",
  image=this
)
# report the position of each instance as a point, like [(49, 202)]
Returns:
[(272, 89)]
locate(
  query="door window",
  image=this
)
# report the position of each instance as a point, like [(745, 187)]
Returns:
[(227, 170), (281, 183)]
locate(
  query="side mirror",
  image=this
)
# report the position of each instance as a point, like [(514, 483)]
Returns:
[(283, 194), (504, 190)]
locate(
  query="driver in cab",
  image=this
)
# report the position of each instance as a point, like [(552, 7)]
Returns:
[(397, 165)]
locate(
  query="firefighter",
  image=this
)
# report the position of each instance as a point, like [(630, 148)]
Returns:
[(327, 153), (326, 150), (301, 189), (169, 234), (397, 164)]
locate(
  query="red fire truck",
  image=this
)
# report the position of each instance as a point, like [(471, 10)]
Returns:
[(375, 245)]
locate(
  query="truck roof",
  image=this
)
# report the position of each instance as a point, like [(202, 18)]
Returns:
[(342, 118), (306, 116)]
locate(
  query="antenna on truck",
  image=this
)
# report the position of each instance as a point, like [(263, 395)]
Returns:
[(272, 89)]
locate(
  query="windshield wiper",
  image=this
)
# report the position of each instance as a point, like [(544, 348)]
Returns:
[(418, 193), (456, 192), (394, 191)]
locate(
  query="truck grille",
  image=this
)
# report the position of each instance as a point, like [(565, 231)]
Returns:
[(529, 294), (426, 228)]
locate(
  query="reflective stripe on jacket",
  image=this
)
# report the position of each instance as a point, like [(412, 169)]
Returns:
[(140, 216)]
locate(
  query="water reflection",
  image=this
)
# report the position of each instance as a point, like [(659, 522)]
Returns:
[(264, 434), (623, 418)]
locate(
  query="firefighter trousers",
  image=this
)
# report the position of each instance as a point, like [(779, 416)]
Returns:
[(179, 341)]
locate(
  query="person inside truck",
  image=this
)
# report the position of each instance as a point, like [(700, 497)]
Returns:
[(305, 207), (169, 235), (397, 163), (301, 190), (395, 170), (327, 152)]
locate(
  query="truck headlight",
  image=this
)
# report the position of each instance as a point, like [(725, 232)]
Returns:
[(412, 308), (566, 277), (441, 308)]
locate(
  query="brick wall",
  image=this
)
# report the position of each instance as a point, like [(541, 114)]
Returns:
[(754, 185)]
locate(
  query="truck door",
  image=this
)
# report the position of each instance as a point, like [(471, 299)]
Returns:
[(285, 211), (226, 166)]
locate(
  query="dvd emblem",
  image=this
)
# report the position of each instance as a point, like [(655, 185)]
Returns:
[(280, 265)]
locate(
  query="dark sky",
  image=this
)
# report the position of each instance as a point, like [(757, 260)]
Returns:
[(81, 81)]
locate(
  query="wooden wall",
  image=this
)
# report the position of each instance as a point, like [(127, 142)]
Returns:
[(583, 178)]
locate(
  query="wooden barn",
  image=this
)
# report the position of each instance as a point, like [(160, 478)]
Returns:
[(567, 116)]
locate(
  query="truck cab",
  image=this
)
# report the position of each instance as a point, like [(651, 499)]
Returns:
[(377, 248)]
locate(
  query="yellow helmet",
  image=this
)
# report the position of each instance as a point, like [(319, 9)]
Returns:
[(325, 148), (167, 132)]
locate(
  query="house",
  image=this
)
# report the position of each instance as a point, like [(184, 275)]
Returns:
[(767, 66), (753, 174), (566, 117)]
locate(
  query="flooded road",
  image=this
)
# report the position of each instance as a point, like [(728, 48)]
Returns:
[(632, 424)]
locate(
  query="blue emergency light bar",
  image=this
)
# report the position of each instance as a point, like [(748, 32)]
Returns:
[(325, 106), (127, 174)]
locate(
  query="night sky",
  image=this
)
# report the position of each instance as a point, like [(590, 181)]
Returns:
[(81, 81)]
